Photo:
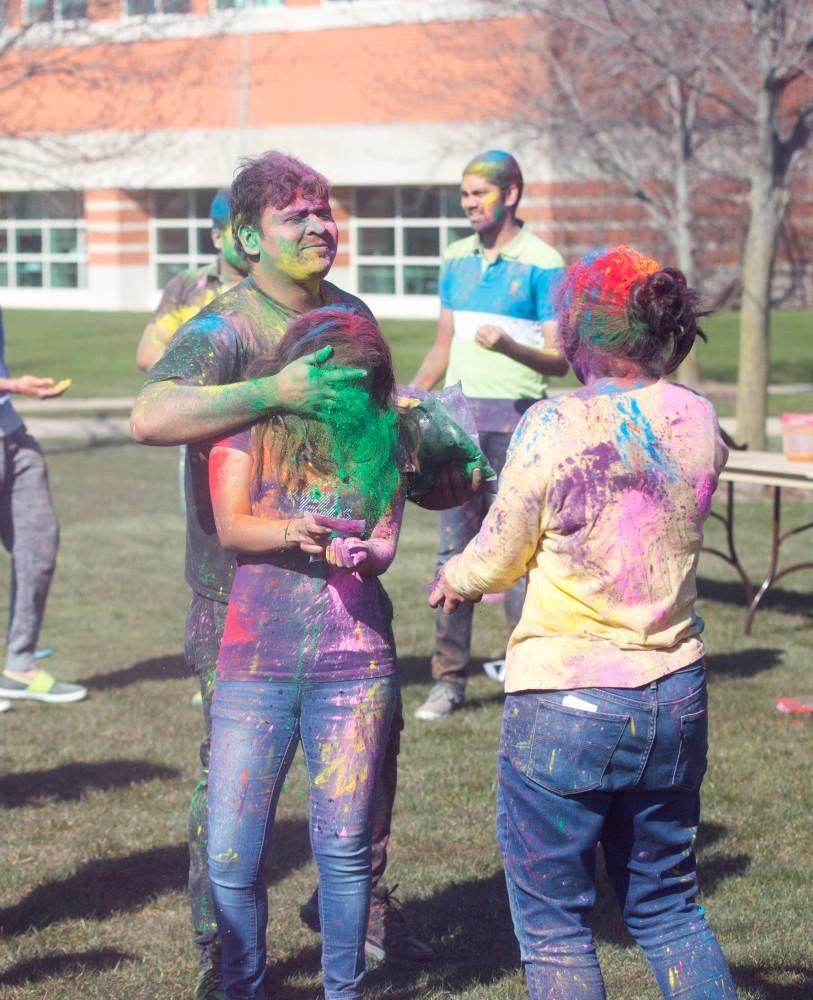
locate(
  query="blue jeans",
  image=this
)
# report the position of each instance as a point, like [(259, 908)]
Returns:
[(457, 526), (256, 726), (627, 775)]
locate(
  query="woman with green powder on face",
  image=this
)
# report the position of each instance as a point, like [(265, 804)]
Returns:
[(313, 510)]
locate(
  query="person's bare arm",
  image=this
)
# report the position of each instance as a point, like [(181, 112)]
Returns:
[(547, 360), (434, 365), (241, 531), (166, 413), (152, 345)]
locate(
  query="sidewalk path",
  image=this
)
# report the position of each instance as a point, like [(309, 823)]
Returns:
[(50, 418), (114, 423)]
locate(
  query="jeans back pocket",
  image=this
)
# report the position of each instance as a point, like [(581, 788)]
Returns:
[(570, 750), (693, 750)]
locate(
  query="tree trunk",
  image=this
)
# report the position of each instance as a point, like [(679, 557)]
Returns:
[(683, 238), (767, 209), (689, 371)]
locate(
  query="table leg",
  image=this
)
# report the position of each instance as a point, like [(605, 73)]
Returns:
[(776, 541), (731, 556)]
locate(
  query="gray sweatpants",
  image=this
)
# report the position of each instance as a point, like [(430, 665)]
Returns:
[(30, 533)]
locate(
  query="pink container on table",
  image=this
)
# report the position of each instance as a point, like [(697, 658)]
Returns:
[(797, 436)]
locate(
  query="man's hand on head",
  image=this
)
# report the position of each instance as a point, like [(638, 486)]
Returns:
[(306, 388)]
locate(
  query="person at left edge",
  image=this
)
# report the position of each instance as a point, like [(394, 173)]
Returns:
[(282, 218), (30, 533), (186, 293)]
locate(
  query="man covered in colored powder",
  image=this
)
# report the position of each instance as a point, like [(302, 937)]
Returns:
[(497, 337), (185, 294), (30, 533), (282, 220)]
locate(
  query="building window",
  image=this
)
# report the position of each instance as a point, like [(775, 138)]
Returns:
[(180, 232), (142, 8), (56, 10), (240, 4), (398, 235), (42, 240)]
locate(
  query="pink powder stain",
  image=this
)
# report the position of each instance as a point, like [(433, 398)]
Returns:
[(638, 521), (703, 491)]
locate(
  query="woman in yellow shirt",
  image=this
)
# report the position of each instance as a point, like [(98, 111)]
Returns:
[(602, 503)]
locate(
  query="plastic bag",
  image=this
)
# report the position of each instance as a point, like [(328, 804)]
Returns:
[(447, 433)]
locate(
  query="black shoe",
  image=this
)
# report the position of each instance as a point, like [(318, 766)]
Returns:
[(209, 985)]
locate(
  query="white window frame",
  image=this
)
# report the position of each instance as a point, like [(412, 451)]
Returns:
[(253, 5), (126, 15), (191, 222), (399, 260), (58, 17), (11, 257)]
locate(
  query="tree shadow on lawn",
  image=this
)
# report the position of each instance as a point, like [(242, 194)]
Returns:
[(414, 670), (418, 670), (731, 592), (744, 662), (34, 970), (755, 977), (469, 925), (69, 782), (106, 886), (159, 668)]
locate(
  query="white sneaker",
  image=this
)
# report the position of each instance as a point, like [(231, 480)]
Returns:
[(495, 669), (442, 701), (5, 704)]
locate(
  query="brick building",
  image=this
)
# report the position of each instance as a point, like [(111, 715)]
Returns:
[(121, 117)]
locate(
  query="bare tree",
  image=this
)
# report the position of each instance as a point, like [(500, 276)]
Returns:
[(770, 78), (67, 83), (620, 93), (666, 98)]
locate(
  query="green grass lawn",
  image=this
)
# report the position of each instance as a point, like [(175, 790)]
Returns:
[(97, 350), (94, 795)]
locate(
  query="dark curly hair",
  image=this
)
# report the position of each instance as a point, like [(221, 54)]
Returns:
[(271, 179)]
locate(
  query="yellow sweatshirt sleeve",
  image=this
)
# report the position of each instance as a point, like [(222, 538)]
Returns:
[(507, 543)]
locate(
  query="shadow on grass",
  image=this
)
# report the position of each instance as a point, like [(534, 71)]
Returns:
[(731, 592), (755, 977), (159, 668), (418, 670), (69, 782), (105, 886), (414, 670), (35, 969), (744, 662), (470, 926)]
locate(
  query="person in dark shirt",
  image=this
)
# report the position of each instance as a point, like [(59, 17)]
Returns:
[(195, 393)]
